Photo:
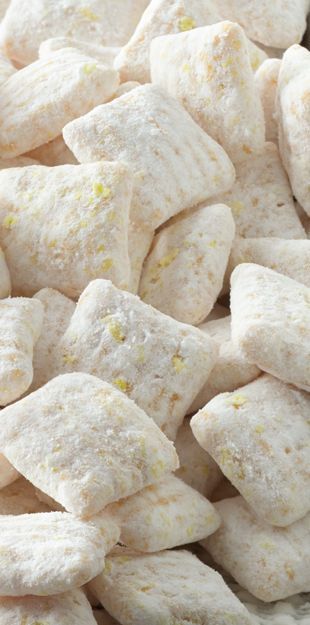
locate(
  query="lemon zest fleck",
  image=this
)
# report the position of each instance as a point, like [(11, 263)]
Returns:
[(122, 384), (9, 221), (186, 23), (165, 261), (100, 190), (107, 264), (115, 329), (178, 363), (238, 400)]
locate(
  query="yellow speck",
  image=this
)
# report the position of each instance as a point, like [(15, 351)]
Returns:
[(111, 215), (227, 62), (9, 221), (269, 546), (83, 224), (69, 359), (213, 243), (78, 195), (289, 571), (52, 243), (165, 261), (122, 385), (238, 400), (101, 248), (107, 264), (115, 329), (56, 448), (158, 468), (260, 429), (186, 67), (225, 456), (141, 354), (190, 531), (246, 149), (54, 469), (237, 207), (89, 68), (89, 14), (178, 363), (101, 191), (186, 23)]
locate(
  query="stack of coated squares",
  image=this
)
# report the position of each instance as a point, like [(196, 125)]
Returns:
[(154, 312)]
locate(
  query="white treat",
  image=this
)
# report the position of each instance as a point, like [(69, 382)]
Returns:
[(266, 81), (104, 54), (231, 369), (183, 274), (259, 437), (104, 22), (63, 226), (175, 164), (65, 609), (20, 498), (271, 322), (272, 563), (158, 362), (40, 99), (140, 238), (164, 515), (261, 198), (197, 468), (102, 448), (56, 152), (209, 71), (293, 113), (168, 587)]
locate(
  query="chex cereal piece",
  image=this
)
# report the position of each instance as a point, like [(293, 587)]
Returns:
[(104, 54), (271, 562), (158, 362), (55, 152), (278, 23), (57, 312), (231, 369), (183, 274), (20, 327), (7, 472), (140, 238), (293, 113), (271, 322), (259, 437), (6, 69), (64, 86), (168, 587), (5, 279), (197, 468), (290, 257), (175, 164), (266, 81), (164, 515), (261, 198), (63, 226), (20, 498), (48, 553), (104, 22), (64, 609), (209, 70), (103, 446)]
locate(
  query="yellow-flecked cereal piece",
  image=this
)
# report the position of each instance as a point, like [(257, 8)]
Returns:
[(168, 587), (219, 90), (111, 444), (259, 437), (68, 607), (270, 562), (95, 23), (53, 226), (181, 167), (183, 274), (160, 362), (48, 94), (266, 80), (164, 515)]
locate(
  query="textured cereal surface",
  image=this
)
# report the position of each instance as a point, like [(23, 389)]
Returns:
[(270, 562), (102, 447), (65, 609), (271, 322), (259, 436), (266, 81)]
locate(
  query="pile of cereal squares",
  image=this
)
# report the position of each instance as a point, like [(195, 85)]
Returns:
[(154, 312)]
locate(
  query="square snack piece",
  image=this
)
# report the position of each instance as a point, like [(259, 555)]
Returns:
[(293, 113), (197, 467), (266, 81), (209, 71), (102, 447), (271, 322), (70, 608), (37, 101), (20, 327), (261, 198), (271, 562), (166, 588), (175, 164), (259, 436), (20, 498), (231, 369), (104, 22), (158, 362), (61, 227), (164, 515), (48, 553), (183, 274)]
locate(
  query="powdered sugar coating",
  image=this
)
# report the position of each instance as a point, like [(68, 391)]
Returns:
[(65, 609)]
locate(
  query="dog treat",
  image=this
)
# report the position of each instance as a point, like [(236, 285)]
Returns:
[(271, 322), (266, 81), (197, 468), (259, 437), (293, 115), (103, 54), (158, 362), (175, 164), (56, 152), (209, 71), (270, 562), (103, 446), (20, 498), (65, 609), (166, 587), (231, 369), (261, 198), (164, 515), (64, 86), (102, 22), (183, 274), (76, 218)]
